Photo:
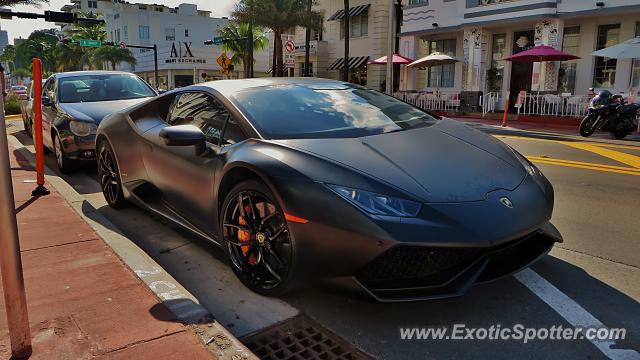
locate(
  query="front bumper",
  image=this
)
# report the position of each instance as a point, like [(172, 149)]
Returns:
[(410, 273), (79, 148)]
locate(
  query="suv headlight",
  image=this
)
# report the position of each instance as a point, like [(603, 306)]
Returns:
[(82, 128), (378, 204)]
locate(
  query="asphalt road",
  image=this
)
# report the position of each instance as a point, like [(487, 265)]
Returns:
[(591, 278)]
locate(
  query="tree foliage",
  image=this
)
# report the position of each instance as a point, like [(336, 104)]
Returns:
[(236, 34), (11, 3), (112, 55)]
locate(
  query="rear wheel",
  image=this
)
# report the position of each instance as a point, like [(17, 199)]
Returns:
[(588, 125), (620, 132), (109, 176), (257, 240)]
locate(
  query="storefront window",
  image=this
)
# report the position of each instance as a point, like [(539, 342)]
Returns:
[(498, 52), (605, 68), (170, 34), (570, 44), (358, 25), (444, 75), (359, 75)]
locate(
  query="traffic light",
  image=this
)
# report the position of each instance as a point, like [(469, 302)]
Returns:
[(208, 42), (109, 43), (68, 41)]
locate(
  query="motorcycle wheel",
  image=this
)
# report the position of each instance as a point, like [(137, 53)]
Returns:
[(620, 132), (588, 126)]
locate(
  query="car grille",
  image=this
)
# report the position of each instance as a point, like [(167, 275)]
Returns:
[(415, 264)]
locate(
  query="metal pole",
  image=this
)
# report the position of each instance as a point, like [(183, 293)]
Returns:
[(155, 65), (15, 300), (390, 46)]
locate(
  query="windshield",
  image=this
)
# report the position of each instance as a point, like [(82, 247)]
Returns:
[(18, 87), (298, 112), (90, 88)]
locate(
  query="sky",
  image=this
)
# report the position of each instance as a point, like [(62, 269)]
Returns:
[(23, 27)]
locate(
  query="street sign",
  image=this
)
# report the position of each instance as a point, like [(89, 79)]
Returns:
[(289, 54), (218, 40), (90, 43), (224, 61), (224, 71), (122, 45)]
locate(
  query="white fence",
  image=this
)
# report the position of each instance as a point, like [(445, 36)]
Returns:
[(554, 105), (442, 101), (531, 104)]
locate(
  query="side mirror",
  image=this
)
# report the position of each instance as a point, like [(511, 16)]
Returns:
[(184, 135), (46, 101)]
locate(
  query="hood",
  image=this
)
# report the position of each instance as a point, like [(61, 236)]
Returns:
[(95, 111), (447, 162)]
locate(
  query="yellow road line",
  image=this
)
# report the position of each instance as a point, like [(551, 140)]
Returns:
[(584, 165), (631, 160), (612, 167)]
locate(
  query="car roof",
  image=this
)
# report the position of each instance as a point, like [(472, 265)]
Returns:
[(232, 87), (92, 72)]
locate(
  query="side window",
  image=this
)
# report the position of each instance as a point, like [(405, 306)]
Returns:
[(232, 133), (200, 110), (48, 89)]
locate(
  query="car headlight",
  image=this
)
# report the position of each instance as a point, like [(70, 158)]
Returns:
[(526, 164), (378, 204), (82, 128)]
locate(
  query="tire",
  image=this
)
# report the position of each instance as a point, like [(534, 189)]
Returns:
[(587, 127), (619, 132), (65, 165), (266, 265), (109, 176)]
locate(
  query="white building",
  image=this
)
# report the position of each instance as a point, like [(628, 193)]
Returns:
[(483, 32), (368, 41), (179, 34)]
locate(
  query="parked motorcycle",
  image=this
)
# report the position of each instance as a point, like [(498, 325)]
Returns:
[(611, 113)]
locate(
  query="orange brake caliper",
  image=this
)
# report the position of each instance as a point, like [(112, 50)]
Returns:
[(245, 236)]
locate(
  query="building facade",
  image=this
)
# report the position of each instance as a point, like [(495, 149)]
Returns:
[(179, 33), (368, 41), (481, 33)]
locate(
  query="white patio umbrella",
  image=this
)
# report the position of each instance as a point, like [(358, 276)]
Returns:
[(435, 59), (629, 49)]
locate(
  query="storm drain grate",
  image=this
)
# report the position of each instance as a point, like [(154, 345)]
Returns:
[(301, 338)]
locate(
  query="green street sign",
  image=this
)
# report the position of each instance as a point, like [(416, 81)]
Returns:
[(218, 40), (90, 43)]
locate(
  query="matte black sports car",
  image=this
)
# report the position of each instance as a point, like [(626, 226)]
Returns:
[(312, 177)]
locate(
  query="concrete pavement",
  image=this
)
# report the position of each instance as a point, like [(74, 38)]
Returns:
[(82, 300), (596, 268)]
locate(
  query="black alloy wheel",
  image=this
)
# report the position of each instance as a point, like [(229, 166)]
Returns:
[(109, 176), (257, 239), (65, 165)]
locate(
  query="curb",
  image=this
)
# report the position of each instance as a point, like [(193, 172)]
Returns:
[(171, 293)]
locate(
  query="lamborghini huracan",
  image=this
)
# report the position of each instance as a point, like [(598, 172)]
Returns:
[(304, 178)]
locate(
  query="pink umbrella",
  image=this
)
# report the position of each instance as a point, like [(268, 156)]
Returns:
[(397, 59), (541, 53)]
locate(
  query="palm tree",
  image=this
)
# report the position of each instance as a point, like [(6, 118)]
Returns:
[(113, 55), (10, 3), (88, 32), (345, 70), (236, 36), (277, 15), (245, 12)]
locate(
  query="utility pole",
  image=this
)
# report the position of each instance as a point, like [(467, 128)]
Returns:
[(307, 46), (390, 46), (15, 300)]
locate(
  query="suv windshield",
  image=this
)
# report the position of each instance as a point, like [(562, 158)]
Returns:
[(292, 111), (89, 88)]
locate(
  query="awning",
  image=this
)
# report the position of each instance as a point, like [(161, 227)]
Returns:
[(354, 62), (354, 11)]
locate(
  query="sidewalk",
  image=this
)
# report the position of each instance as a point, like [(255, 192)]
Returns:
[(83, 302)]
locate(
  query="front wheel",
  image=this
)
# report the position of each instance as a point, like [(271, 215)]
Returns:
[(588, 125), (65, 164), (109, 176), (256, 239)]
